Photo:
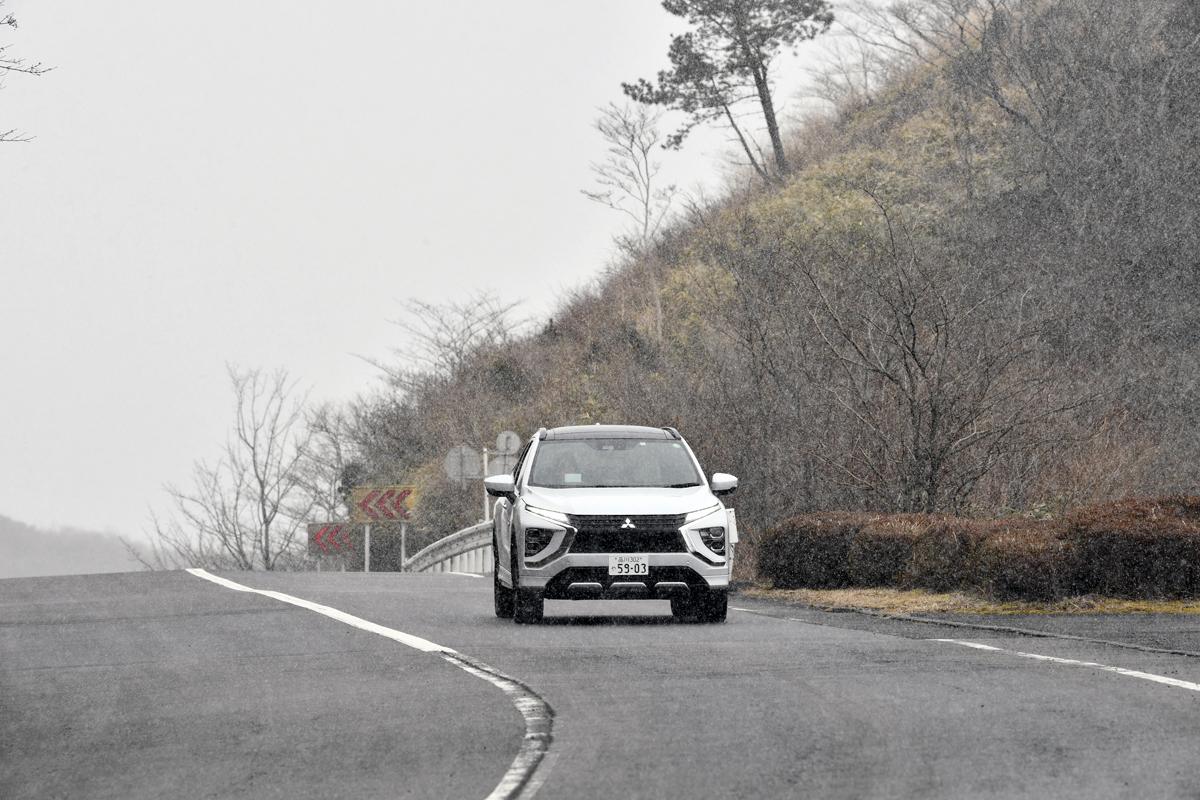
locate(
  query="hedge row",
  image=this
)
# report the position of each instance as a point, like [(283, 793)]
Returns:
[(1139, 548)]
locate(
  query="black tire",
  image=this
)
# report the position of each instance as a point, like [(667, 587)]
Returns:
[(714, 607), (705, 606), (505, 601), (683, 609), (530, 606)]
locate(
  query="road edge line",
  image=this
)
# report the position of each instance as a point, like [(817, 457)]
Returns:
[(977, 626), (536, 713), (1129, 673)]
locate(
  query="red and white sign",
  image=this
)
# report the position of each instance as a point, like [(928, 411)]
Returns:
[(382, 503), (330, 538)]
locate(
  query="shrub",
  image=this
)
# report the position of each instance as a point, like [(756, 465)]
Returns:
[(942, 554), (809, 551), (1021, 559), (881, 549), (745, 555), (1139, 547)]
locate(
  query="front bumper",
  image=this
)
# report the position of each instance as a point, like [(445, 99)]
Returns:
[(579, 576)]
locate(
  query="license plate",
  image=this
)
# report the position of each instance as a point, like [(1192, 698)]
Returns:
[(628, 565)]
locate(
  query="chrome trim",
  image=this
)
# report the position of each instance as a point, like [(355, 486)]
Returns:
[(626, 588), (585, 589), (672, 588)]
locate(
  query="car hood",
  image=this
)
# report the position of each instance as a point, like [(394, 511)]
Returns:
[(620, 501)]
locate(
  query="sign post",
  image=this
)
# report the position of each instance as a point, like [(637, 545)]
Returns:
[(465, 463), (487, 501), (381, 504), (507, 445), (462, 465)]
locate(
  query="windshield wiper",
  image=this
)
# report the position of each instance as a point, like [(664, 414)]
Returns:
[(681, 486)]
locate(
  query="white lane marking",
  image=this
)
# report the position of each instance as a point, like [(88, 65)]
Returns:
[(416, 642), (1130, 673), (522, 777), (785, 619), (468, 574), (520, 780)]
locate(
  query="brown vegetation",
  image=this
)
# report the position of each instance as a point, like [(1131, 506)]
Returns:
[(1137, 548), (973, 294)]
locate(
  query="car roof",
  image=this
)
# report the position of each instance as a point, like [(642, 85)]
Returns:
[(607, 432)]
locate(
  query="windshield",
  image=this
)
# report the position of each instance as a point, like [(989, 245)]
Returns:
[(611, 463)]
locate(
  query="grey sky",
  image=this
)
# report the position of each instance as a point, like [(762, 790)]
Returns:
[(264, 183)]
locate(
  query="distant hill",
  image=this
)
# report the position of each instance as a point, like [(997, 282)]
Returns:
[(26, 551)]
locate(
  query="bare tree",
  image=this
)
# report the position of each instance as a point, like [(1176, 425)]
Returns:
[(459, 370), (627, 181), (248, 509), (11, 65), (443, 337), (328, 461), (936, 369)]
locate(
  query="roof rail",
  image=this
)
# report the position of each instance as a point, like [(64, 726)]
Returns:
[(541, 434), (674, 433)]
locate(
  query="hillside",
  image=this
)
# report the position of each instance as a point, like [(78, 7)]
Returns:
[(26, 551), (976, 293)]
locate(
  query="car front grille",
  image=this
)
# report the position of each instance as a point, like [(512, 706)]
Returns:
[(626, 542), (643, 523), (604, 534)]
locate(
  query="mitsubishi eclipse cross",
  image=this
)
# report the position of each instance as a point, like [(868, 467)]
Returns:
[(611, 512)]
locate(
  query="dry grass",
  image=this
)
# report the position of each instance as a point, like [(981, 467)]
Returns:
[(920, 601)]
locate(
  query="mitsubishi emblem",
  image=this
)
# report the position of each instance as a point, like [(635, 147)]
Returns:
[(628, 523)]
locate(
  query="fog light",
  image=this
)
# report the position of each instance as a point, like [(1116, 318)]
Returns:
[(714, 539), (536, 540)]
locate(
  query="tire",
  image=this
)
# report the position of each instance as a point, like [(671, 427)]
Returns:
[(714, 607), (706, 606), (505, 601), (530, 605), (683, 608)]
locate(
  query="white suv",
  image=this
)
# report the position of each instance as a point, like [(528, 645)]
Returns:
[(611, 512)]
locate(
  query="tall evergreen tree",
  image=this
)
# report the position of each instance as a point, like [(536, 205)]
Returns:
[(726, 59)]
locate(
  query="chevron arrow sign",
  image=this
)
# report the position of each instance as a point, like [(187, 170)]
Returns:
[(329, 538), (382, 503)]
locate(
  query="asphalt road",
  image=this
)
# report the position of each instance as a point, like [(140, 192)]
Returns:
[(147, 685)]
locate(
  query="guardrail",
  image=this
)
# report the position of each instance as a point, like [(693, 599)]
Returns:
[(468, 550)]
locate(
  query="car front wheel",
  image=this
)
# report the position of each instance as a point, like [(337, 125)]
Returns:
[(530, 605), (705, 605)]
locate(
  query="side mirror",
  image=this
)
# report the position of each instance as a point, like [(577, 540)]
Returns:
[(723, 483), (500, 486)]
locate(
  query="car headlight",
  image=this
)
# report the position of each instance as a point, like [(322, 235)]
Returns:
[(714, 539), (544, 513), (536, 540)]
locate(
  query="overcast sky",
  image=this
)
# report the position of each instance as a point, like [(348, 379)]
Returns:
[(265, 183)]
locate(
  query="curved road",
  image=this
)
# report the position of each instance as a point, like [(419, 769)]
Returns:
[(153, 684)]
